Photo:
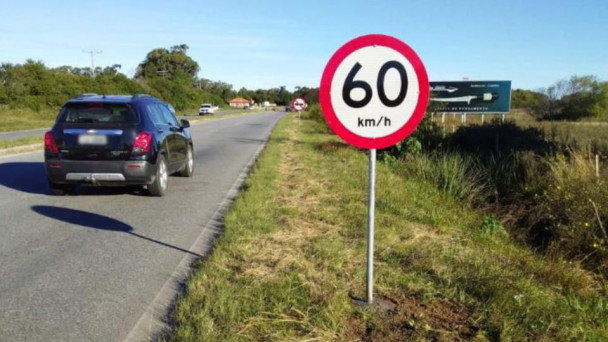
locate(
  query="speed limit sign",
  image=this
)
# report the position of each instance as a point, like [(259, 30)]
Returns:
[(374, 91), (298, 104)]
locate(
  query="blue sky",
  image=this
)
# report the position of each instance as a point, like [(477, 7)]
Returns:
[(274, 43)]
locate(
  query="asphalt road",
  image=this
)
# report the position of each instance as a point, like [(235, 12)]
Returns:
[(94, 265), (22, 134)]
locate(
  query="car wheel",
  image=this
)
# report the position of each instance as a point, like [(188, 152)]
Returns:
[(61, 189), (189, 167), (159, 185)]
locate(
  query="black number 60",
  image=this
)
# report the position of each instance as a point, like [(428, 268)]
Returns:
[(351, 84)]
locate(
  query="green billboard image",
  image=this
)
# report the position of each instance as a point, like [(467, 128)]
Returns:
[(472, 96)]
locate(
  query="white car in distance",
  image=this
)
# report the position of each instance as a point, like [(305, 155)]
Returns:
[(206, 108)]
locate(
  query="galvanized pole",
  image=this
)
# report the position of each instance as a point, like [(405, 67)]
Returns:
[(371, 204)]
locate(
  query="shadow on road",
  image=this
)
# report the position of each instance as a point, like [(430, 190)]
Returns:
[(25, 176), (91, 220)]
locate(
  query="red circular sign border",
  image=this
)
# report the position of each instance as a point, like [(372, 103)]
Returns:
[(327, 78), (292, 103)]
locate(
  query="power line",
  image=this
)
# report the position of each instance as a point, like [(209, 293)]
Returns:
[(93, 53)]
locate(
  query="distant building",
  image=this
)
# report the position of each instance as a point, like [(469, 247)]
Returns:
[(239, 102)]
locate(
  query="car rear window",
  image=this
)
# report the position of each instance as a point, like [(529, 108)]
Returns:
[(98, 113)]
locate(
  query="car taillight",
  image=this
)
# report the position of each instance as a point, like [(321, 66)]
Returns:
[(142, 143), (49, 143)]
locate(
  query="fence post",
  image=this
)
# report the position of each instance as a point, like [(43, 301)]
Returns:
[(597, 166)]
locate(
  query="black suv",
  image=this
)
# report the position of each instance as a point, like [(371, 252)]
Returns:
[(116, 140)]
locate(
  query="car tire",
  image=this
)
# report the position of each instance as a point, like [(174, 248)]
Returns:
[(189, 167), (61, 189), (159, 186)]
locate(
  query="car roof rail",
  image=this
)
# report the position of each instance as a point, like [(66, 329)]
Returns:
[(140, 95), (87, 94)]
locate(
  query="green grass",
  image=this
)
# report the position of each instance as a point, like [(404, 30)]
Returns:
[(586, 135), (20, 142), (22, 119), (293, 255)]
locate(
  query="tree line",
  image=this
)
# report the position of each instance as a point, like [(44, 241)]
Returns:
[(169, 74), (570, 99)]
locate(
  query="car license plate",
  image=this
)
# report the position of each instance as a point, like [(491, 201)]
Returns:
[(92, 139)]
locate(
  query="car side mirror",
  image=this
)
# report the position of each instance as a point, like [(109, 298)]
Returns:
[(184, 123)]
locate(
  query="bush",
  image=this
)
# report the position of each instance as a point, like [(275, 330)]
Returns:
[(315, 113), (454, 174), (546, 197), (577, 206)]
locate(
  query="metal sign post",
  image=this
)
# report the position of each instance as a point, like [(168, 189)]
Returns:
[(371, 208)]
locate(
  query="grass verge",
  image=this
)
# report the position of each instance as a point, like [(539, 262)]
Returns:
[(22, 119), (292, 259), (10, 143)]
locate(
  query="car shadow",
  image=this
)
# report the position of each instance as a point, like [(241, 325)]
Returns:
[(27, 177), (96, 221)]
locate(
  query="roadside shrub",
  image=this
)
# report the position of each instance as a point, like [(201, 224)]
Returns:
[(577, 206), (546, 193), (315, 113), (454, 174)]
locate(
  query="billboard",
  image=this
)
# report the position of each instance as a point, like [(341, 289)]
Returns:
[(472, 96)]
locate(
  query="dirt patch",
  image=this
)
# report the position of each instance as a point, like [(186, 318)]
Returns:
[(284, 250), (414, 320)]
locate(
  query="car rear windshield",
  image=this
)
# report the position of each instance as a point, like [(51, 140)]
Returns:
[(206, 106), (94, 112)]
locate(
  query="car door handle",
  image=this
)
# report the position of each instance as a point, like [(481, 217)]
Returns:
[(160, 130)]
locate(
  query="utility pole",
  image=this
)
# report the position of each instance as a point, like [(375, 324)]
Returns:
[(92, 52)]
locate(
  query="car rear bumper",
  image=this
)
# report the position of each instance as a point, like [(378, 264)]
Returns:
[(100, 172)]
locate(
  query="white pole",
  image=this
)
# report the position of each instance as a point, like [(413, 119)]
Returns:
[(442, 118), (483, 118), (371, 204), (503, 118)]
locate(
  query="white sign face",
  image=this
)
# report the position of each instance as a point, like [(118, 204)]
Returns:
[(374, 91)]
